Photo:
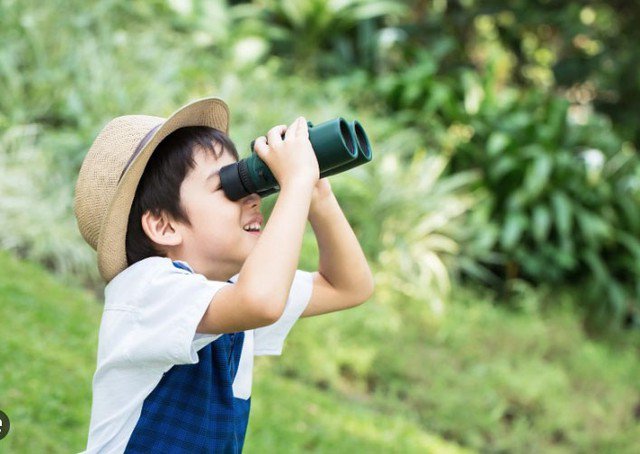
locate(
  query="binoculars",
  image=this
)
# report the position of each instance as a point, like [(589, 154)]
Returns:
[(337, 144)]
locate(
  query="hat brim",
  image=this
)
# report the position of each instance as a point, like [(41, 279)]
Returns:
[(112, 256)]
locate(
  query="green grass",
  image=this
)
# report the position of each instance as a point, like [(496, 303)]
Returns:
[(387, 376), (47, 351), (291, 416), (486, 377), (384, 377)]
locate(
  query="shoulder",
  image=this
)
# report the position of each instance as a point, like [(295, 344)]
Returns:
[(132, 280)]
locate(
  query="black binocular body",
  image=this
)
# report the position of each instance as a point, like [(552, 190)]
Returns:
[(337, 144)]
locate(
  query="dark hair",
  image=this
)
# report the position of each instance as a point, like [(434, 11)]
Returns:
[(159, 187)]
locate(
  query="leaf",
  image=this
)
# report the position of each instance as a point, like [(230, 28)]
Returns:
[(412, 93), (473, 93), (504, 165), (512, 231), (592, 226), (477, 271), (537, 176), (371, 9), (617, 296), (439, 94), (541, 223), (556, 118), (597, 266), (630, 212), (497, 142), (516, 122), (630, 242), (563, 213)]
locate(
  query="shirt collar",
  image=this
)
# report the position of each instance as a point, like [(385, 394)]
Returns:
[(182, 265), (185, 266)]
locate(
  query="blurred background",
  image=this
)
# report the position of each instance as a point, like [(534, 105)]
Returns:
[(500, 213)]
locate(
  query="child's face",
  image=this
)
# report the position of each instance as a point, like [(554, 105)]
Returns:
[(215, 244)]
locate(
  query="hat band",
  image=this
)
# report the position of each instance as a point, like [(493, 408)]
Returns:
[(136, 152)]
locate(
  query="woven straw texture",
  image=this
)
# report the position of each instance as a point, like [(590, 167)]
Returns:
[(102, 203)]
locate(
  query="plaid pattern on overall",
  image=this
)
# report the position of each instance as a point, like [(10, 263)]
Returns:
[(192, 409)]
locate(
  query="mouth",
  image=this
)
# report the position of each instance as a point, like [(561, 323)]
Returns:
[(253, 228)]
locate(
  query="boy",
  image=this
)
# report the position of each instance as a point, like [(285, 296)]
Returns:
[(195, 289)]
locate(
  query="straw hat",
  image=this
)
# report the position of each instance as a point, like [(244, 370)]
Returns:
[(112, 169)]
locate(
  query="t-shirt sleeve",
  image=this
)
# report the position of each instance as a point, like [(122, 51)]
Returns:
[(169, 310), (269, 340)]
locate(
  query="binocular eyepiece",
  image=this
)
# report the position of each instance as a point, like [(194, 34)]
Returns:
[(337, 144)]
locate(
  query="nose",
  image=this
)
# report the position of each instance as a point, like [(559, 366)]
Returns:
[(252, 200)]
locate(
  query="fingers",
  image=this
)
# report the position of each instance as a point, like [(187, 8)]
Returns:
[(260, 146), (274, 136)]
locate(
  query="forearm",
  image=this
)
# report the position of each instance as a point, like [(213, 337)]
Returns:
[(342, 261), (270, 268)]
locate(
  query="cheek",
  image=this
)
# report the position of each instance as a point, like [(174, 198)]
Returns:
[(215, 218)]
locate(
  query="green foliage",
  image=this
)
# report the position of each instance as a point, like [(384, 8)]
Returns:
[(492, 160), (317, 35), (585, 47), (421, 213), (515, 90), (58, 94), (36, 215), (251, 93), (561, 193), (562, 184)]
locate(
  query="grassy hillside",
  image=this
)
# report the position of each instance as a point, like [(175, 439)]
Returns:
[(48, 341), (387, 376), (47, 351)]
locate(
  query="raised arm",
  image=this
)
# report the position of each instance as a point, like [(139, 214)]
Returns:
[(258, 297), (343, 279)]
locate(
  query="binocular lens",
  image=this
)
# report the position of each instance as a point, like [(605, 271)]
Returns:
[(363, 140), (347, 138)]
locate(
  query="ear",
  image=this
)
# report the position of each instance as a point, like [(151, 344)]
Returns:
[(161, 229)]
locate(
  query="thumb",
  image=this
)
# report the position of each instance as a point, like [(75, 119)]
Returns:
[(302, 129)]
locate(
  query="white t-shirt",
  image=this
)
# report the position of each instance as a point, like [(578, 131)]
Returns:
[(151, 313)]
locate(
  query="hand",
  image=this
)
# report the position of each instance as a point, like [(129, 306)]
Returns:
[(290, 157)]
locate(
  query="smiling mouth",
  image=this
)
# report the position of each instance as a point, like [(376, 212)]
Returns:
[(254, 230), (254, 227)]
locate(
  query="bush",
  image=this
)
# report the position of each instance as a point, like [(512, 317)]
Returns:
[(562, 184)]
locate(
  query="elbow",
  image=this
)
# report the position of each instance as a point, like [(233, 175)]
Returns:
[(272, 313), (366, 293), (266, 311), (371, 287)]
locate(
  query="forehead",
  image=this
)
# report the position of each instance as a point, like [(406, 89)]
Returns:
[(205, 162)]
